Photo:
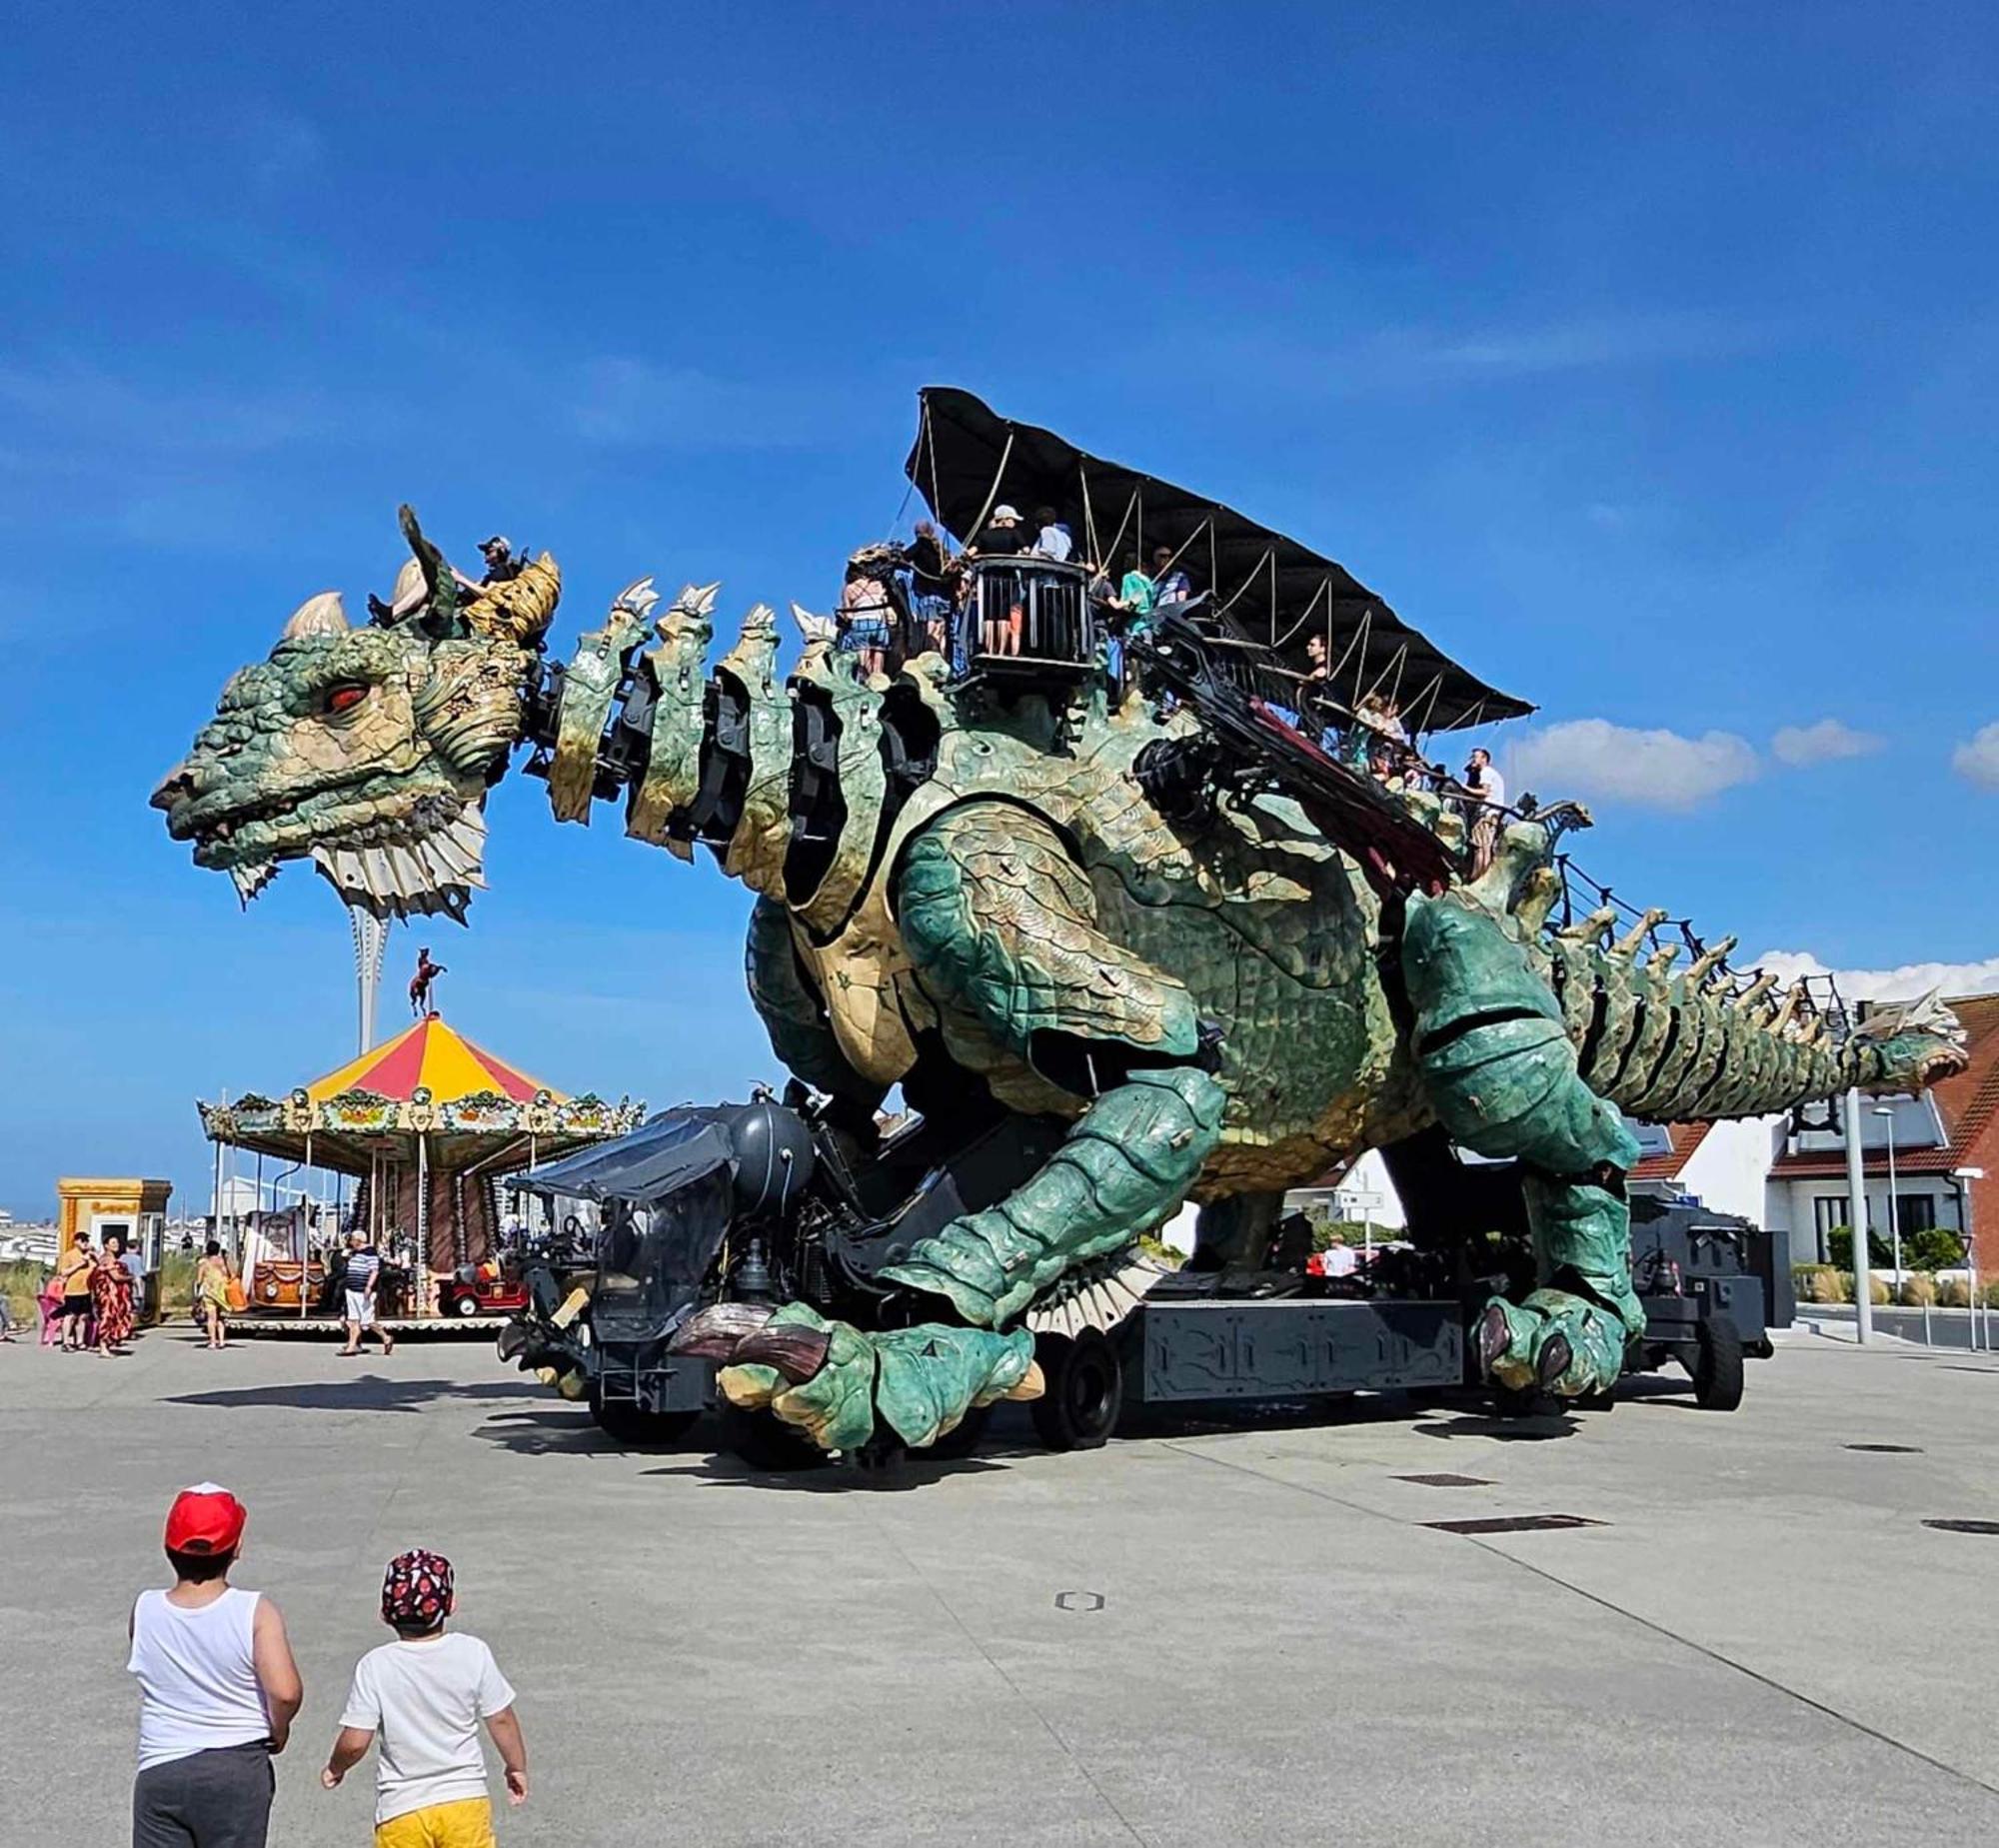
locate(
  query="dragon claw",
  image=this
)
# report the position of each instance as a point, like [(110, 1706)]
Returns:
[(716, 1332)]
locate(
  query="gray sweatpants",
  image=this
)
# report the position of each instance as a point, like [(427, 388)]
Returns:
[(218, 1799)]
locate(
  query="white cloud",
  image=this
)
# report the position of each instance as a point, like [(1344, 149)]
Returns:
[(1977, 759), (1824, 742), (1591, 758), (1887, 984)]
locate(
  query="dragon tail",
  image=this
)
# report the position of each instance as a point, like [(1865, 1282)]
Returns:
[(1700, 1044)]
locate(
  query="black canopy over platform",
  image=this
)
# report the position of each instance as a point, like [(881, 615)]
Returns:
[(1272, 588)]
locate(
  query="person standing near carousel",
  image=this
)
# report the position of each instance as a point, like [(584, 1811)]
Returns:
[(73, 1276), (210, 1293), (111, 1295)]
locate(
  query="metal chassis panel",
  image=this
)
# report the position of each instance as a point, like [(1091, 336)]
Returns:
[(1288, 1350)]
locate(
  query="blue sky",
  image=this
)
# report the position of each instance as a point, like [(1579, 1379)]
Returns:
[(1647, 358)]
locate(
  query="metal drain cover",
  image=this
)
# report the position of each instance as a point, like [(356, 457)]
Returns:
[(1889, 1449), (1525, 1523), (1444, 1479), (1964, 1526)]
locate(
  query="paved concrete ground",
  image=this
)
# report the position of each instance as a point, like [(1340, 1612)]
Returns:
[(1762, 1643)]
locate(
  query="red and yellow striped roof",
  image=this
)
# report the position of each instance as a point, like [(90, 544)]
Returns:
[(430, 1053)]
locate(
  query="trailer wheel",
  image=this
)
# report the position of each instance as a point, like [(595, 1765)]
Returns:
[(1718, 1364), (625, 1424), (465, 1305), (1085, 1390), (765, 1442)]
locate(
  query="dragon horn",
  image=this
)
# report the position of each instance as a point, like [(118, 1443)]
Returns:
[(715, 1333), (323, 614)]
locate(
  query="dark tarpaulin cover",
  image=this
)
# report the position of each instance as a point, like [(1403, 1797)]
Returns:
[(1273, 589), (674, 1150)]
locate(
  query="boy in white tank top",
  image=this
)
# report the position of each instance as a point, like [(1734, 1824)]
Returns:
[(217, 1688)]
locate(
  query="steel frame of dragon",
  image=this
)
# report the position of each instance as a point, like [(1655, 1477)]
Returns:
[(1150, 912)]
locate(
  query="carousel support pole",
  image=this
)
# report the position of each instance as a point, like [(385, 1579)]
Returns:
[(371, 942), (423, 1214), (305, 1232)]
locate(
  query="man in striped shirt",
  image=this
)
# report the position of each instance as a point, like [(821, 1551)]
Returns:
[(364, 1272)]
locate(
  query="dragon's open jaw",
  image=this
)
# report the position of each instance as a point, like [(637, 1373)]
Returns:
[(418, 876)]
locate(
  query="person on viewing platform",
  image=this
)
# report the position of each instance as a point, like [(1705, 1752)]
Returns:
[(1488, 801), (424, 1697), (1169, 582), (862, 617), (1004, 536), (1053, 539), (218, 1688)]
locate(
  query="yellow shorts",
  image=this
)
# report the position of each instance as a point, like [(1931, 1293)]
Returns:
[(467, 1824)]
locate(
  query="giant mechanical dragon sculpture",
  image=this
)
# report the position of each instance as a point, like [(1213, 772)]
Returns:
[(1045, 896)]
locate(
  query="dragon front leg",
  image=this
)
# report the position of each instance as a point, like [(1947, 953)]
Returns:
[(1000, 924), (1502, 1076)]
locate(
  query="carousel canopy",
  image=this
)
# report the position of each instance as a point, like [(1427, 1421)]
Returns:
[(432, 1057), (469, 1105), (1273, 589)]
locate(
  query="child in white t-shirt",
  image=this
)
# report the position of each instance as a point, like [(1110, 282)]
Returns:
[(423, 1696)]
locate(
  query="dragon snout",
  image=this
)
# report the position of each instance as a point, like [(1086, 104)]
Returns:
[(176, 786)]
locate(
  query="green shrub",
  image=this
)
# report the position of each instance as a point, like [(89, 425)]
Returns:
[(20, 1281), (1839, 1249), (1933, 1249)]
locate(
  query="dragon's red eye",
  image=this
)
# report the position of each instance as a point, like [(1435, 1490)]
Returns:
[(345, 697)]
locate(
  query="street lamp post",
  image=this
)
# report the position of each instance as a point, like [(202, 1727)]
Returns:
[(1894, 1208), (1964, 1176), (1856, 1189)]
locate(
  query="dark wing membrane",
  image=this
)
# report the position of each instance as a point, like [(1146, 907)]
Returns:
[(967, 457), (1241, 709)]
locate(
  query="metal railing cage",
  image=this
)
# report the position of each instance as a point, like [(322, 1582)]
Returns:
[(1028, 619)]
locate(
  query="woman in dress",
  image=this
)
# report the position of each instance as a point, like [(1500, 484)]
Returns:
[(110, 1296), (210, 1293)]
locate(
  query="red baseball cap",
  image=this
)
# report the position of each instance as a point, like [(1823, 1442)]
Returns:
[(205, 1519)]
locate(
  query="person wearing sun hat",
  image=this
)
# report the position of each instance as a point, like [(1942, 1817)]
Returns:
[(422, 1697), (218, 1688)]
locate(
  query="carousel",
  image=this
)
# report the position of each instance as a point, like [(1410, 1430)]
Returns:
[(416, 1135)]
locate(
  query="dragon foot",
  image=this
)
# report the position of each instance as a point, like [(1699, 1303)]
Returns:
[(1555, 1342), (841, 1387)]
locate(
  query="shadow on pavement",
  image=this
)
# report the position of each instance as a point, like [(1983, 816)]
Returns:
[(360, 1392)]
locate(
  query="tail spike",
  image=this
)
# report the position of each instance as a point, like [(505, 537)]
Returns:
[(1755, 992), (1708, 961), (1591, 930), (1628, 945), (1661, 961)]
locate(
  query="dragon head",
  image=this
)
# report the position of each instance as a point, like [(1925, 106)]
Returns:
[(370, 749), (1909, 1045)]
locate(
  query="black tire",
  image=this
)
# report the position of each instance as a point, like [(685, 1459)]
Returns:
[(1718, 1364), (961, 1440), (1085, 1390), (765, 1442), (625, 1424), (1519, 1401)]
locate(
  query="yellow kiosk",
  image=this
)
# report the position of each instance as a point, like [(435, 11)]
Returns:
[(95, 1209)]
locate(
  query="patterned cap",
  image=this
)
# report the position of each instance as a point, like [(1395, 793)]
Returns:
[(416, 1589)]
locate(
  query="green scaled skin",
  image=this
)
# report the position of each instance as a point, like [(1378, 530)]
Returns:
[(1213, 1006)]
